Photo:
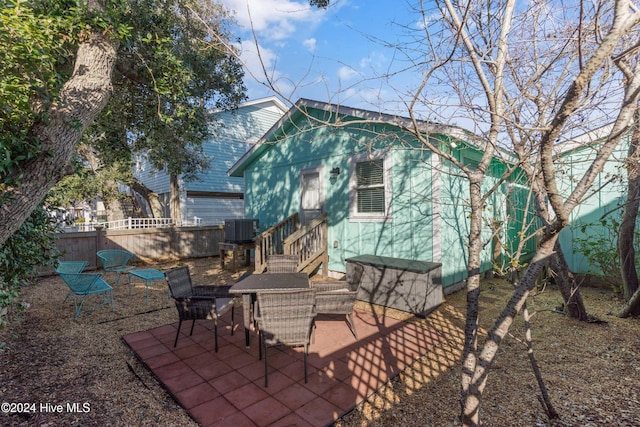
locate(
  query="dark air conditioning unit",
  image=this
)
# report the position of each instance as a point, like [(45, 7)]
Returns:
[(240, 230)]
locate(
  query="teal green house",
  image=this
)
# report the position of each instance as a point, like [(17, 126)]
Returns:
[(595, 218), (382, 191)]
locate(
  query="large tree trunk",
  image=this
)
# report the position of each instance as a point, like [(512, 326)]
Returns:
[(176, 214), (471, 415), (80, 101), (114, 208), (471, 398), (150, 196), (627, 230), (111, 197), (568, 287)]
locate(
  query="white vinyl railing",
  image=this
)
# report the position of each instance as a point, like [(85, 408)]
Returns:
[(129, 223), (137, 223)]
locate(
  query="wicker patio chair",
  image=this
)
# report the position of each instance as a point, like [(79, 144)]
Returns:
[(282, 264), (70, 267), (339, 297), (198, 302), (285, 318), (115, 261), (84, 284)]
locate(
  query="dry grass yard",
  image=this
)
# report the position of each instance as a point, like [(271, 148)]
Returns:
[(592, 370)]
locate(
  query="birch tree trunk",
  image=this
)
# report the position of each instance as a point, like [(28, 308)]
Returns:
[(471, 416), (470, 398), (625, 18)]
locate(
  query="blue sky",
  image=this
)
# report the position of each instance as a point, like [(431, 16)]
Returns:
[(333, 55)]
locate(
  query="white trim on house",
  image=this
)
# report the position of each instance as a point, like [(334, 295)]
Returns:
[(436, 208), (339, 110), (583, 140), (253, 102), (354, 215), (321, 192)]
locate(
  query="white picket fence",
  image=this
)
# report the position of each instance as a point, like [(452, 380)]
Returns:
[(130, 223), (137, 223)]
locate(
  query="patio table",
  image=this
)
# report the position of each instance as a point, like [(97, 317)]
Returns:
[(254, 283), (148, 275)]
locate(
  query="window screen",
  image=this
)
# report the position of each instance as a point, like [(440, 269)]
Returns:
[(370, 186)]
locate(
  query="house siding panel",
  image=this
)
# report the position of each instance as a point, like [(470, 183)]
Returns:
[(156, 181), (273, 192), (214, 210), (233, 133), (426, 223), (603, 204)]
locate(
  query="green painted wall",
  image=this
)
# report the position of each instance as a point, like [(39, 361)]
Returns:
[(605, 201), (420, 227)]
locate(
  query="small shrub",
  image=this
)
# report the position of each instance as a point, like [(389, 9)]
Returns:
[(600, 247), (29, 247)]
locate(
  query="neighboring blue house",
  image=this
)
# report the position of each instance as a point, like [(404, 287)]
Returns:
[(384, 193), (215, 196)]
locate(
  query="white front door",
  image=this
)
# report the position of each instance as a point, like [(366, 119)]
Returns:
[(311, 194)]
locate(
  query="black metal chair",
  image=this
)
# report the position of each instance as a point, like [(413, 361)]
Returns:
[(285, 318), (198, 302)]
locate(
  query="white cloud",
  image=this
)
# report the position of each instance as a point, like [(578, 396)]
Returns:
[(346, 73), (257, 59), (310, 44), (274, 19), (368, 67), (261, 65), (375, 61), (424, 22)]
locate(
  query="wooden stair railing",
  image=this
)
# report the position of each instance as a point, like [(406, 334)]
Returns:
[(310, 244), (271, 241), (287, 237)]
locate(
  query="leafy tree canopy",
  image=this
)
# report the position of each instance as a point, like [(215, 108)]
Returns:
[(37, 49), (58, 76), (169, 70), (168, 73)]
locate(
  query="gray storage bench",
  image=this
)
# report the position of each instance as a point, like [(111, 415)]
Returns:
[(403, 284)]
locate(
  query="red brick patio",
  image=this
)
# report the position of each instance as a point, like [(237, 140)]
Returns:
[(227, 388)]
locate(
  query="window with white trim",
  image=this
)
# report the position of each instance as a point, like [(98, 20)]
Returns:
[(370, 194)]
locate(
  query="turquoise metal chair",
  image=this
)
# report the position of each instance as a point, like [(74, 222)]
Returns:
[(85, 284), (115, 261), (70, 267)]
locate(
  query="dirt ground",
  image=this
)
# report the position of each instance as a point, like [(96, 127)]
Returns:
[(63, 372)]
